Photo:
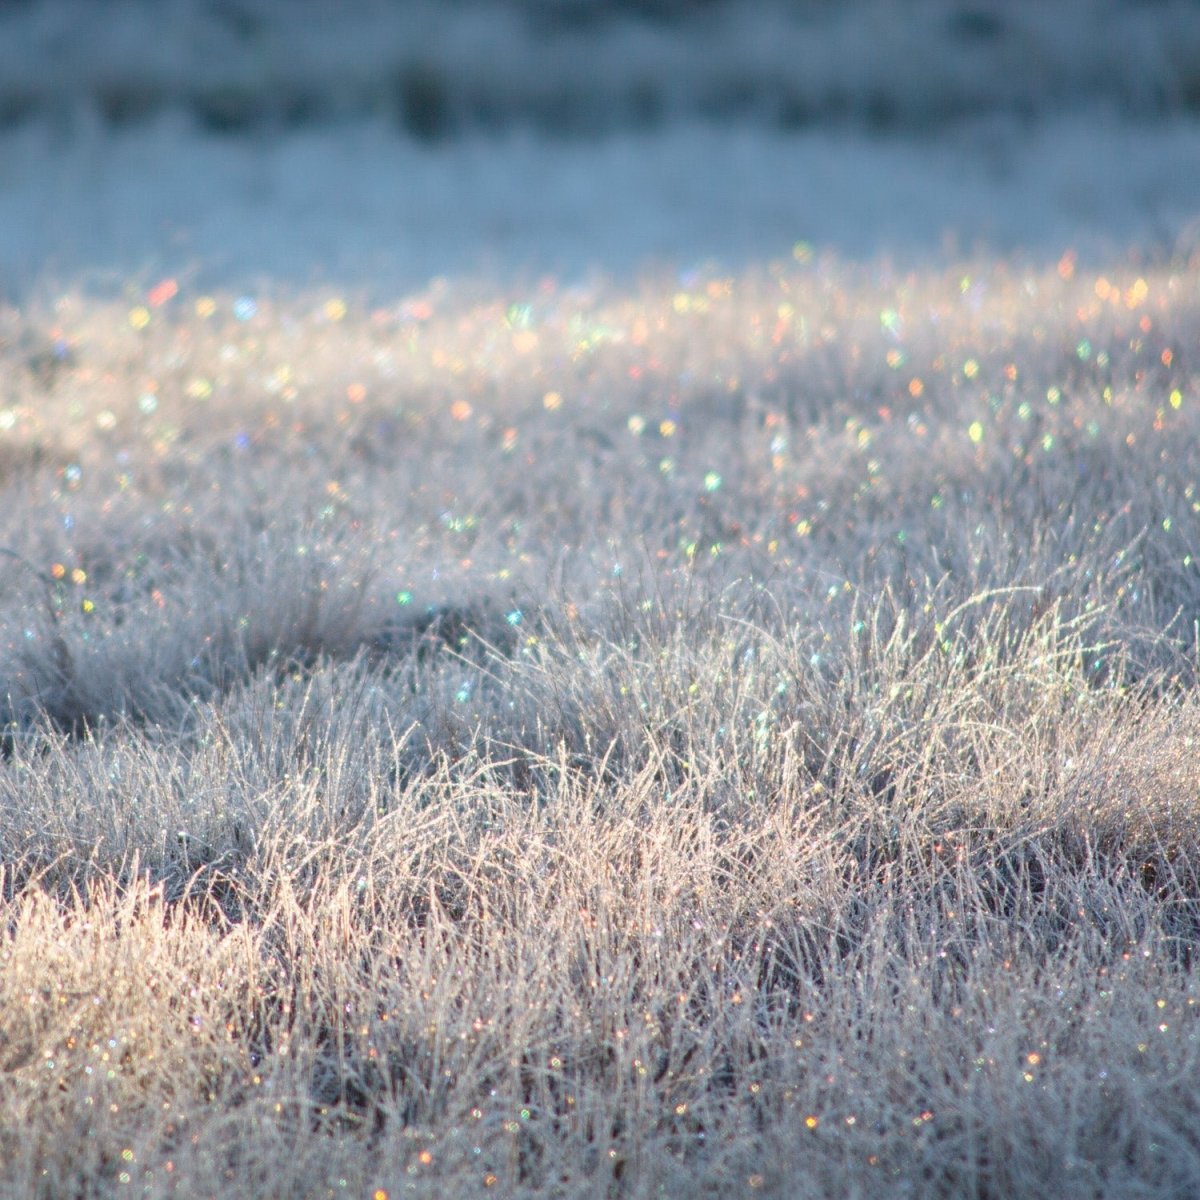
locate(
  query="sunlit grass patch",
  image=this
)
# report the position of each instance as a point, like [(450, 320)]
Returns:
[(735, 735)]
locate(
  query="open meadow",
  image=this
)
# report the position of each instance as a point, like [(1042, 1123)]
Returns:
[(715, 736)]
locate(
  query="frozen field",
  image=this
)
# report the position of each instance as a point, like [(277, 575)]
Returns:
[(624, 633), (731, 735)]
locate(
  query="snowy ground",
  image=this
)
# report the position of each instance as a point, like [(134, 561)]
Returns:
[(232, 145)]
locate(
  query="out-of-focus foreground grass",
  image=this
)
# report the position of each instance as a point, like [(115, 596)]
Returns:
[(729, 736)]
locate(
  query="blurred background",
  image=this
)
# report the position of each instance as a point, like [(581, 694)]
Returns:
[(379, 143)]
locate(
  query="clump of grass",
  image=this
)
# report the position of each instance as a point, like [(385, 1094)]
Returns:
[(728, 739)]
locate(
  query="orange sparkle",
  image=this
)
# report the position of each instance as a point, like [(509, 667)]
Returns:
[(161, 292)]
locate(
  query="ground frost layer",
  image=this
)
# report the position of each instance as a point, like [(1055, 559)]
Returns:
[(733, 735)]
